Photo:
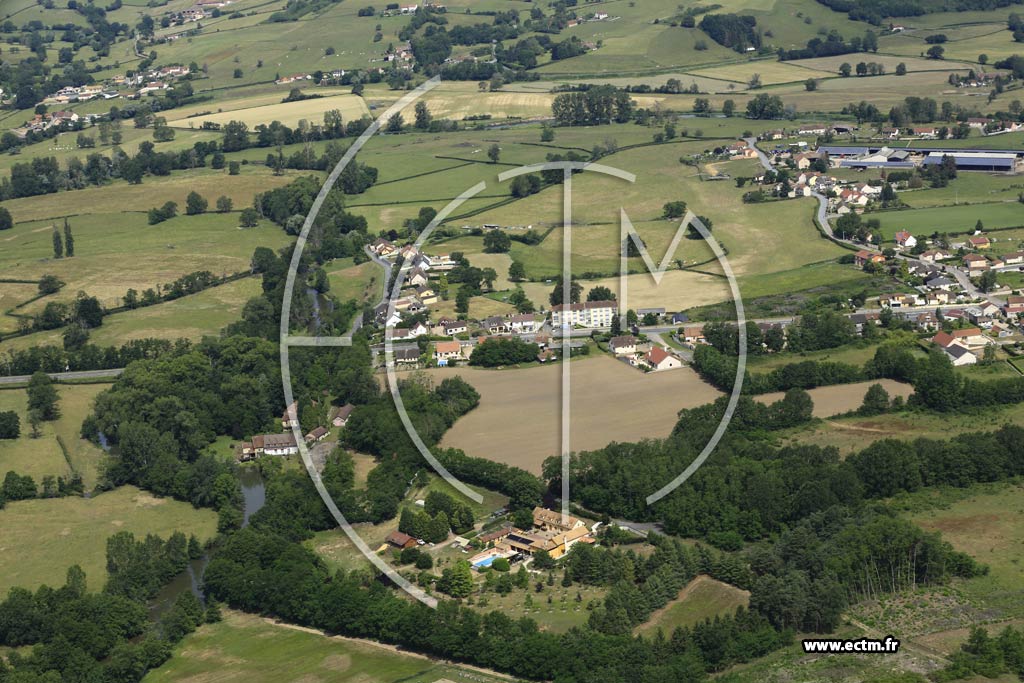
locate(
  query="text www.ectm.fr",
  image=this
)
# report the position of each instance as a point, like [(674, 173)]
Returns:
[(887, 645)]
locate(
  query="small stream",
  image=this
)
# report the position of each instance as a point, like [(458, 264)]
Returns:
[(254, 495)]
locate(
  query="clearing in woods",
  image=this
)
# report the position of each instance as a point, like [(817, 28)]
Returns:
[(703, 598), (41, 538)]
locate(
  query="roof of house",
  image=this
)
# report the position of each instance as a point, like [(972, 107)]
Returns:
[(966, 332), (625, 340), (447, 347), (944, 339), (553, 517), (276, 440), (317, 433), (657, 354), (957, 351), (345, 410), (398, 538)]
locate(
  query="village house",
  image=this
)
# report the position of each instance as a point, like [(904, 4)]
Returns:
[(397, 539), (317, 435), (525, 323), (693, 334), (339, 416), (859, 320), (659, 359), (623, 346), (975, 264), (897, 300), (406, 356), (864, 257), (905, 239), (979, 242), (447, 351), (1014, 305), (383, 248), (1013, 258), (426, 294), (940, 282), (267, 444), (417, 277), (936, 298), (450, 328), (960, 356), (933, 255), (290, 417)]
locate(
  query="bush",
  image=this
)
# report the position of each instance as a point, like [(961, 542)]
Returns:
[(501, 564)]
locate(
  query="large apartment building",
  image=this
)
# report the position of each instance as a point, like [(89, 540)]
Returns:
[(585, 314)]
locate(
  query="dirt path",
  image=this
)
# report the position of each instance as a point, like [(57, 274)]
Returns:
[(389, 648)]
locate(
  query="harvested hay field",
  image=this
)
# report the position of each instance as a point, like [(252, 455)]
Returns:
[(703, 598), (843, 398), (517, 421), (288, 113)]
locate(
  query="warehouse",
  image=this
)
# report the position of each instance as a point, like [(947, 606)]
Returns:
[(976, 161)]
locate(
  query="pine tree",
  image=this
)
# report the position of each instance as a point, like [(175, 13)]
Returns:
[(69, 240), (58, 245)]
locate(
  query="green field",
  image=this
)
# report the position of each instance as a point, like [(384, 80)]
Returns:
[(44, 456), (192, 317), (851, 434), (247, 647), (42, 538), (118, 251), (960, 219)]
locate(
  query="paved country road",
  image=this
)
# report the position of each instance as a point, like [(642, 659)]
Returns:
[(81, 374)]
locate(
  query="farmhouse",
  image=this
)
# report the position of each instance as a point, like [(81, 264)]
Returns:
[(290, 417), (659, 359), (318, 434), (268, 444), (586, 314), (339, 416), (623, 346), (979, 242), (396, 539)]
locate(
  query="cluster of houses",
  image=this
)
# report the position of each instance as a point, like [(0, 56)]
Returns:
[(643, 354), (283, 443), (552, 532), (60, 120)]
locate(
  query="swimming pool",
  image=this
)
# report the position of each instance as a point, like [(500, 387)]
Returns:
[(485, 562)]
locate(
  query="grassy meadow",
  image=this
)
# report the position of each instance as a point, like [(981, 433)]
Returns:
[(44, 456), (259, 650), (41, 538), (142, 256)]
